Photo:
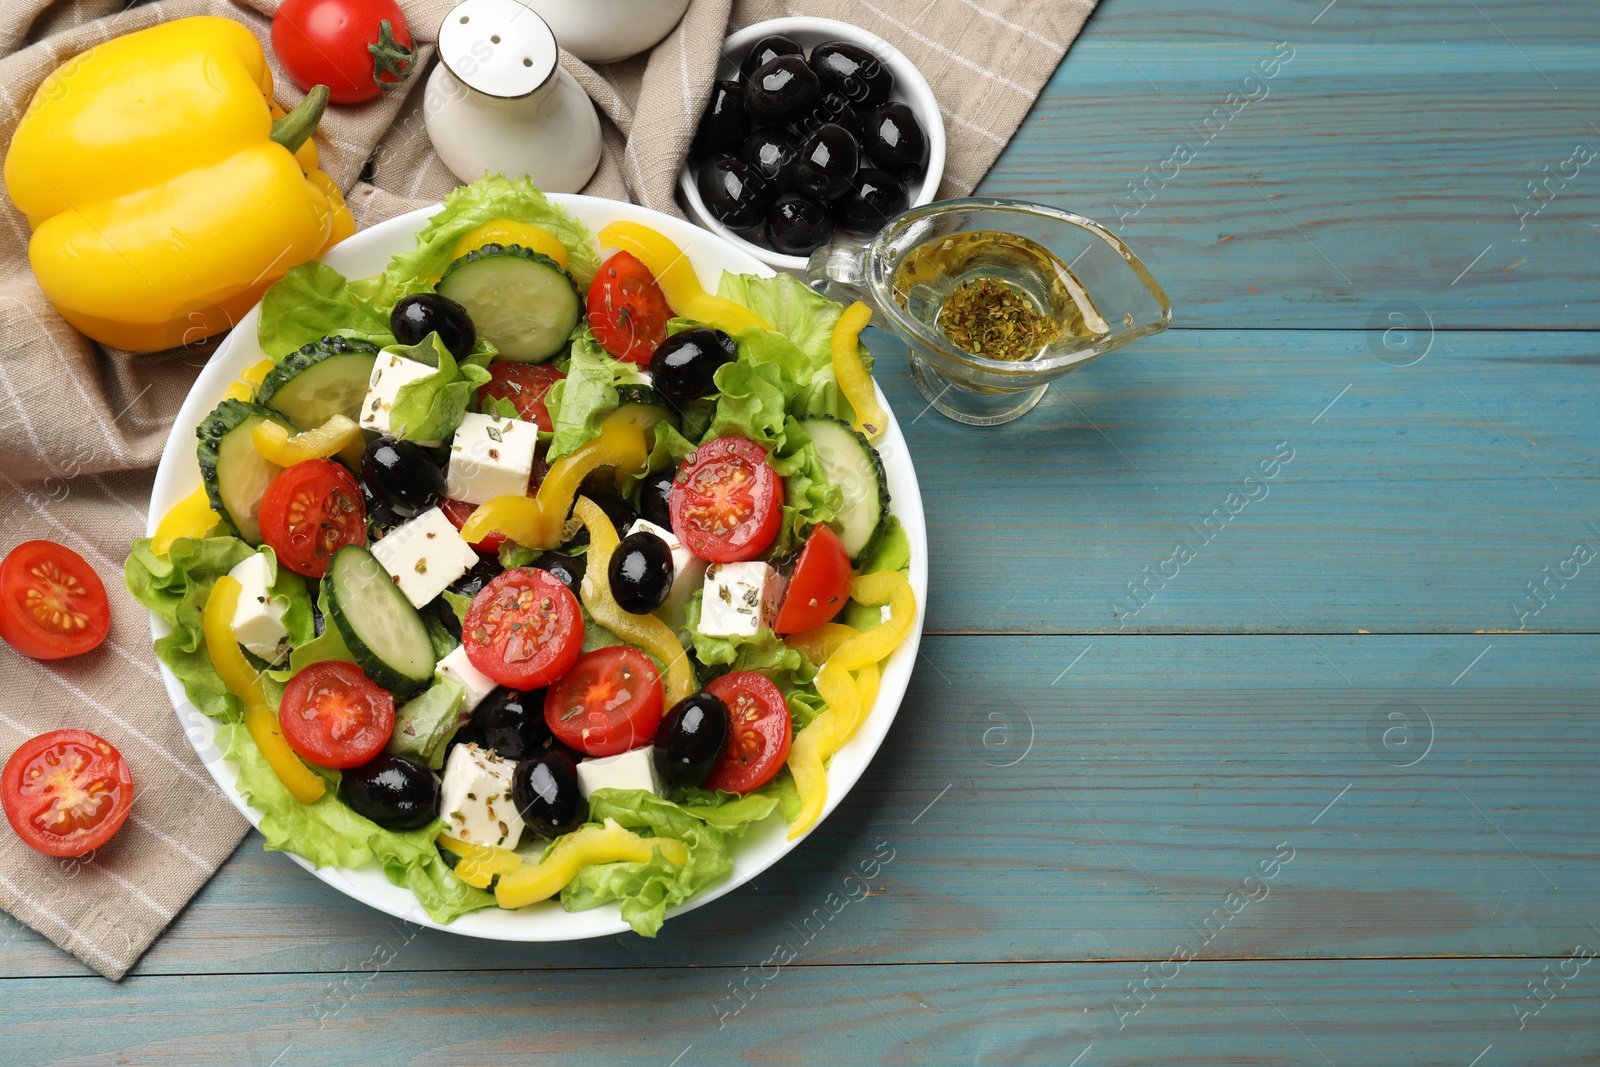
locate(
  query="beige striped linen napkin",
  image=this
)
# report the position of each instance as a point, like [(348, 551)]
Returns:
[(82, 426)]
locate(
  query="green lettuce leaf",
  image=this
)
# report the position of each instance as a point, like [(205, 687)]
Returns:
[(430, 408), (490, 197), (579, 403), (647, 890), (424, 724), (312, 301), (330, 834), (732, 813), (764, 652)]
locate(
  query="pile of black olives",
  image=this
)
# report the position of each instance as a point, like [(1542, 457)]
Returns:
[(799, 145)]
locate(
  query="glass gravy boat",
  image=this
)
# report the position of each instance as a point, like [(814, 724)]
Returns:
[(1098, 294)]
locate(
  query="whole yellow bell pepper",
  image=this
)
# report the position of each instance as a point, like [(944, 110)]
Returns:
[(163, 197)]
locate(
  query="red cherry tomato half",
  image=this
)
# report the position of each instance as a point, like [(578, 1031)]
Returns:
[(325, 42), (335, 716), (66, 792), (610, 702), (524, 385), (759, 743), (458, 512), (524, 629), (627, 310), (820, 586), (52, 603), (727, 501), (310, 511)]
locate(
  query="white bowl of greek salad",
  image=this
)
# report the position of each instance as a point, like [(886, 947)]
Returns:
[(536, 568)]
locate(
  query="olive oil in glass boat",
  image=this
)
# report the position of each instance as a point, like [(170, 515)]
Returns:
[(996, 299)]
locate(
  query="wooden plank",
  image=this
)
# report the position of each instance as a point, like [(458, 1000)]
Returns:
[(1394, 149), (1371, 1012), (1162, 773), (1421, 498)]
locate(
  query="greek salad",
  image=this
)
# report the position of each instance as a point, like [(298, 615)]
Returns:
[(531, 570)]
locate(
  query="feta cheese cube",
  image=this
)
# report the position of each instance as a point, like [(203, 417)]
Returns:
[(257, 621), (475, 798), (424, 555), (628, 770), (389, 373), (740, 599), (688, 570), (460, 670), (490, 457)]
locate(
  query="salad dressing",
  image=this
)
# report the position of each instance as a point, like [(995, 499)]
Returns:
[(994, 294)]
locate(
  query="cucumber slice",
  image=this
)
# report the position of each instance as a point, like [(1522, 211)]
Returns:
[(852, 464), (522, 302), (646, 409), (235, 474), (384, 633), (325, 378)]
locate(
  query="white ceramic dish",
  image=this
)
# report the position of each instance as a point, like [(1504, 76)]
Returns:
[(365, 254), (910, 87), (604, 31)]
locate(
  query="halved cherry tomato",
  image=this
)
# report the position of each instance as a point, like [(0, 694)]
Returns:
[(335, 716), (309, 512), (52, 603), (727, 501), (458, 512), (610, 702), (524, 629), (66, 792), (759, 743), (627, 309), (820, 586), (525, 386)]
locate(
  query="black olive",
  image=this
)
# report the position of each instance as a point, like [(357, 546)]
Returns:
[(655, 498), (893, 137), (415, 317), (617, 509), (486, 570), (641, 572), (395, 792), (767, 49), (827, 163), (781, 89), (380, 516), (876, 198), (683, 364), (545, 790), (831, 107), (734, 192), (769, 153), (401, 477), (318, 623), (690, 739), (724, 126), (511, 722), (797, 226), (569, 569), (446, 616), (853, 72)]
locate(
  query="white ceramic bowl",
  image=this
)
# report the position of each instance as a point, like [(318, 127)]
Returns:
[(604, 31), (366, 254), (910, 87)]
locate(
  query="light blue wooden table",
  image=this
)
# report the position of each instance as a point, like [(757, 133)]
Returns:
[(1323, 792)]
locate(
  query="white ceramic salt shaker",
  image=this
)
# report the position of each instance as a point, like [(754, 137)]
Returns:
[(498, 100), (604, 31)]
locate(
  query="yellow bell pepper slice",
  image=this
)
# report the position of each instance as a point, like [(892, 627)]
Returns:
[(646, 631), (589, 845), (479, 864), (190, 517), (675, 275), (818, 644), (276, 445), (849, 699), (243, 682), (855, 381), (244, 387), (537, 522), (510, 232)]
